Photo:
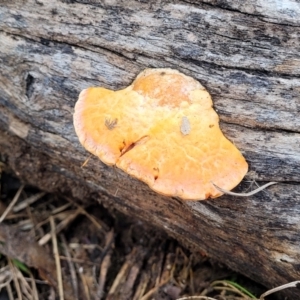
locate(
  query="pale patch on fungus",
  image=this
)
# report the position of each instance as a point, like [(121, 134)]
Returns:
[(185, 127)]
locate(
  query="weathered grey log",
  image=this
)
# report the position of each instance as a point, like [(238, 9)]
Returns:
[(246, 55)]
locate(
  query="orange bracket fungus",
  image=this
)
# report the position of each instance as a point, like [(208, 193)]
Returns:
[(163, 130)]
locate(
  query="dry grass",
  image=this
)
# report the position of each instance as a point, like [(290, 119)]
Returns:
[(97, 256)]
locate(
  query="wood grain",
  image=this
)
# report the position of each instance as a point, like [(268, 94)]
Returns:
[(247, 57)]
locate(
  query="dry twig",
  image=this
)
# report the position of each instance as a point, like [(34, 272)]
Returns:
[(84, 283), (71, 266), (59, 227), (279, 288), (99, 226), (9, 292), (12, 203), (105, 263), (244, 194), (57, 260), (15, 279), (28, 201), (86, 161)]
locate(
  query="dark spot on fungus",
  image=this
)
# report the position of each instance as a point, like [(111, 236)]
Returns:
[(211, 125), (156, 172), (132, 145), (207, 195), (126, 149), (122, 146), (111, 124)]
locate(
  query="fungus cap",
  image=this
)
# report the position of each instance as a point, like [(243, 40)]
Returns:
[(163, 130)]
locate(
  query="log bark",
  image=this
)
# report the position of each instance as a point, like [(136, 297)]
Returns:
[(246, 55)]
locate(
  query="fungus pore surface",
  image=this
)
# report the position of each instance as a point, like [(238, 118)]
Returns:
[(163, 130)]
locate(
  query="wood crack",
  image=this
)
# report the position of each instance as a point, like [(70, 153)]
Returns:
[(259, 128), (259, 72), (229, 9)]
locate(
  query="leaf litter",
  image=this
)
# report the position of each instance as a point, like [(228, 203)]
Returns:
[(55, 248)]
